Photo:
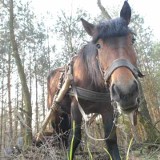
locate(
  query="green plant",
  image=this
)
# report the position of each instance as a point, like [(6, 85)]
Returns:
[(107, 153), (71, 148), (130, 143)]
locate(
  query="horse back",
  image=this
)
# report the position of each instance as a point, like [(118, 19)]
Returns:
[(52, 84)]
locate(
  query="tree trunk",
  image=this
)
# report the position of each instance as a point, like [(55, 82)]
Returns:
[(9, 96), (43, 98), (22, 115), (15, 117), (103, 10), (48, 50), (5, 118), (2, 111), (37, 110), (146, 121), (25, 90)]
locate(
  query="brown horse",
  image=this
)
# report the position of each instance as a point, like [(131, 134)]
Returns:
[(105, 65)]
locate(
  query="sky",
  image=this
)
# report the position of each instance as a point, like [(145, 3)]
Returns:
[(148, 9)]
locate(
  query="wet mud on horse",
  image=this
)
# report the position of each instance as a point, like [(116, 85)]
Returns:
[(107, 64)]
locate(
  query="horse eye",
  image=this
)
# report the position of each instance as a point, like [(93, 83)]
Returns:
[(133, 40), (98, 46)]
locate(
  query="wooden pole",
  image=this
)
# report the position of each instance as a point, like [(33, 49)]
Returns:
[(53, 108)]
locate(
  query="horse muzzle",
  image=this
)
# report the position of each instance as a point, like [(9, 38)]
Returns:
[(126, 96), (124, 92), (126, 100)]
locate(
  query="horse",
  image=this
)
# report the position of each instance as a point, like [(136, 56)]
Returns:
[(106, 64)]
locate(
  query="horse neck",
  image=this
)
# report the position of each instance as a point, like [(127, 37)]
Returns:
[(88, 75)]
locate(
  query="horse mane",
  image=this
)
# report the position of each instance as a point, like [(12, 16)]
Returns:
[(87, 56), (111, 28)]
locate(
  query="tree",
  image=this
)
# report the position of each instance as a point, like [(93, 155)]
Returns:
[(144, 47), (71, 35), (30, 39), (2, 73), (26, 93), (155, 67), (9, 95)]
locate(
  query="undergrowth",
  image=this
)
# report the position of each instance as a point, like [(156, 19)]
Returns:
[(89, 149)]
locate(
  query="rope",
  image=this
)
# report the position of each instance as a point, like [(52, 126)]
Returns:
[(85, 117)]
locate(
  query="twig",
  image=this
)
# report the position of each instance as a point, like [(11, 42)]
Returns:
[(103, 10), (156, 122)]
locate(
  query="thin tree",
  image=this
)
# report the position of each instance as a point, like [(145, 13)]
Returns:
[(26, 93), (2, 109), (9, 96)]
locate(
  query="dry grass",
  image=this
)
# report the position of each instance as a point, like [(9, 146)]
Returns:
[(90, 149), (47, 152)]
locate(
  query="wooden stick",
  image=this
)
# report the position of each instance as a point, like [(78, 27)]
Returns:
[(53, 108)]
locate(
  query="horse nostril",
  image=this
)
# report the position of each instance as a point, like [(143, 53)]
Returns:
[(115, 93), (134, 88), (124, 92), (138, 100)]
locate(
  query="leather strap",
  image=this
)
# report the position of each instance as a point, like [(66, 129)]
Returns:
[(79, 106), (90, 95), (122, 63)]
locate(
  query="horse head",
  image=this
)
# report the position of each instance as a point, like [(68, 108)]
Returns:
[(117, 58)]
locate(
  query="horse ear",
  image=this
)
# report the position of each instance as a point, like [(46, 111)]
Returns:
[(126, 12), (88, 27)]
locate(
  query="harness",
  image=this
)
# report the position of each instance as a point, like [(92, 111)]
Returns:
[(122, 63), (93, 96), (67, 86), (90, 95)]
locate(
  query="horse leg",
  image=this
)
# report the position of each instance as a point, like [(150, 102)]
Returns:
[(56, 129), (110, 135), (75, 133), (61, 125), (65, 127)]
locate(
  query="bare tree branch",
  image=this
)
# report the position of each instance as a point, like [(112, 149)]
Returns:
[(103, 10), (4, 4)]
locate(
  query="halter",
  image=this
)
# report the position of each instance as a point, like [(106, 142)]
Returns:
[(121, 63), (106, 74)]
